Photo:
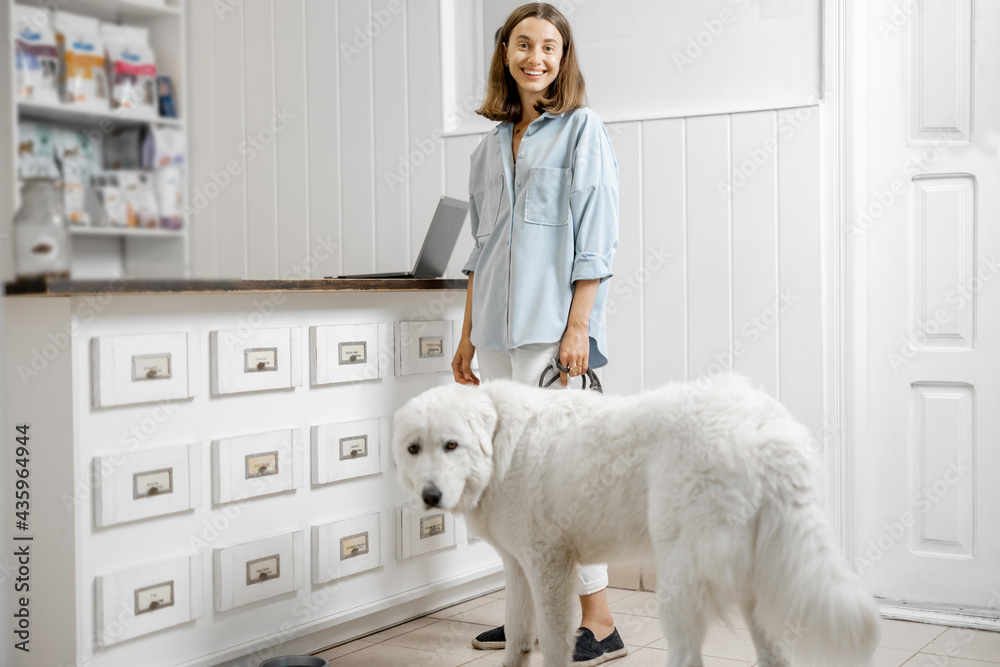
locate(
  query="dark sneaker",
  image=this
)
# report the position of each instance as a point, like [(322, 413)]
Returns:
[(589, 652), (490, 640)]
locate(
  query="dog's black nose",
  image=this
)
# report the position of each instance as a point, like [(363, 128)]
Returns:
[(431, 495)]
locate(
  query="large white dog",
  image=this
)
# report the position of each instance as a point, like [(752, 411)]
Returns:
[(714, 485)]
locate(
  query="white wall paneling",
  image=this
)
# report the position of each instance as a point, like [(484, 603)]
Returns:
[(260, 111), (801, 267), (424, 149), (227, 210), (291, 139), (325, 162), (709, 246), (357, 135), (625, 332), (665, 258)]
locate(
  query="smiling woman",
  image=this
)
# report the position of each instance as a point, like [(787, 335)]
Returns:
[(543, 192)]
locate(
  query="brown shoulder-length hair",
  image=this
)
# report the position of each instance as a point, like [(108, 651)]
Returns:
[(567, 92)]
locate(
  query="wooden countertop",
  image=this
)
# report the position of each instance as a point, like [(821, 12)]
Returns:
[(212, 286)]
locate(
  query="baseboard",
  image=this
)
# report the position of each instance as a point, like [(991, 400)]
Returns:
[(940, 615)]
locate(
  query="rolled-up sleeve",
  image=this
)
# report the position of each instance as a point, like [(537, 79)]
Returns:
[(470, 265), (594, 203)]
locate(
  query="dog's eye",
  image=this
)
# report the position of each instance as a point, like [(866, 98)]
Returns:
[(451, 445), (413, 449)]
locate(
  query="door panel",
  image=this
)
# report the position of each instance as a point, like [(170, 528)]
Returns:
[(931, 222)]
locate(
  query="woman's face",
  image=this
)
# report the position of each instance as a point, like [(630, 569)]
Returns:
[(533, 52)]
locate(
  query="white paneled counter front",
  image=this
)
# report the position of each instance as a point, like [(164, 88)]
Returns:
[(209, 476)]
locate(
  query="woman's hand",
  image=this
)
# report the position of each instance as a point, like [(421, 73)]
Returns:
[(574, 352), (461, 365)]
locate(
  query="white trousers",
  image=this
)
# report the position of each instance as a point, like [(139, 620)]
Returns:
[(525, 364)]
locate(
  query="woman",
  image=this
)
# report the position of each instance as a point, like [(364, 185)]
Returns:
[(544, 210)]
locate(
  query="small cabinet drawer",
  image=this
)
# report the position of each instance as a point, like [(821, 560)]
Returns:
[(349, 353), (146, 483), (424, 346), (345, 547), (346, 450), (258, 569), (257, 465), (142, 368), (141, 600), (255, 360), (420, 531)]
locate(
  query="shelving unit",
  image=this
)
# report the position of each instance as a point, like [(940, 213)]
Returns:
[(104, 252)]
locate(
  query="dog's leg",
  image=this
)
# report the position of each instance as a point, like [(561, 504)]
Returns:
[(553, 585), (519, 615), (682, 617), (769, 654)]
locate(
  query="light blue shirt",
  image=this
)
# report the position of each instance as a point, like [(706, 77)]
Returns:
[(539, 226)]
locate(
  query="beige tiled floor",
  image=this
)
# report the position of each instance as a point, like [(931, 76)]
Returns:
[(443, 639)]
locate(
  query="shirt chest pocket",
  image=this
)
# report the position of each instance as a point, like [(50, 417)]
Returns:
[(488, 203), (547, 196)]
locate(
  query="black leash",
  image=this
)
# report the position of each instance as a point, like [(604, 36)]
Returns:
[(555, 368)]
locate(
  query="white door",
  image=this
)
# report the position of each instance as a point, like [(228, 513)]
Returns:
[(929, 216)]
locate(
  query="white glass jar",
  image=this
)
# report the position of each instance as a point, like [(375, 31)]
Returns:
[(41, 232)]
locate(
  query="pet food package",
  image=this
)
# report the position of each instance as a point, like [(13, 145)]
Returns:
[(76, 157), (131, 69), (123, 149), (82, 79), (164, 147), (141, 208), (36, 55), (169, 192), (35, 151), (112, 203)]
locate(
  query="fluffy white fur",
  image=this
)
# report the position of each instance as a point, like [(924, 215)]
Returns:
[(714, 485)]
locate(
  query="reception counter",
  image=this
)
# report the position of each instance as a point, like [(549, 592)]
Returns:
[(206, 472)]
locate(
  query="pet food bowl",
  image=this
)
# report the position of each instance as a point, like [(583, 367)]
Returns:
[(295, 661)]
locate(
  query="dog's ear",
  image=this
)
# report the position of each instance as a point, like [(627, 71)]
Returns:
[(484, 419)]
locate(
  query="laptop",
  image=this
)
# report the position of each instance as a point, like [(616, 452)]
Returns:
[(438, 244)]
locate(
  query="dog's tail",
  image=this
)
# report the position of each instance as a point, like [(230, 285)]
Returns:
[(808, 603)]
